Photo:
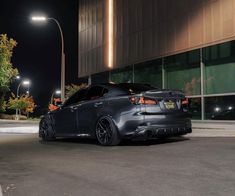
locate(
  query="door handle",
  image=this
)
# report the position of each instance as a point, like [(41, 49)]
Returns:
[(98, 104)]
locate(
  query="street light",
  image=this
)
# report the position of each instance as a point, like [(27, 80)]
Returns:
[(25, 83), (43, 19)]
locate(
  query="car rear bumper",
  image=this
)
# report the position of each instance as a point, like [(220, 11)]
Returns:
[(161, 126), (151, 132)]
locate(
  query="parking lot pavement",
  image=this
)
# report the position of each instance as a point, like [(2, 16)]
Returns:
[(179, 166)]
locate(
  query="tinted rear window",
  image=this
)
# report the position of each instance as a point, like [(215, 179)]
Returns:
[(136, 88)]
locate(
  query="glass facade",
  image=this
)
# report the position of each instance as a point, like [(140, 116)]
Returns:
[(212, 99), (219, 68), (100, 78), (195, 108), (124, 75), (220, 108), (182, 72), (150, 73)]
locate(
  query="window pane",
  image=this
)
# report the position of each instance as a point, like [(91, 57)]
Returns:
[(182, 72), (100, 78), (94, 93), (220, 108), (149, 73), (219, 78), (77, 97), (136, 88), (219, 68), (195, 108), (124, 75)]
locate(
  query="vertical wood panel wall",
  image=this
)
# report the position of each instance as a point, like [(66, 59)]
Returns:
[(148, 29)]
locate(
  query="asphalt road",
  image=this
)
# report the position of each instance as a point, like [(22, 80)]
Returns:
[(184, 167)]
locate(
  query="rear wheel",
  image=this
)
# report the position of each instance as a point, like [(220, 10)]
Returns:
[(46, 131), (106, 132)]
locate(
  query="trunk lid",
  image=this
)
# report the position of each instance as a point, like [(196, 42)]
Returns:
[(168, 101)]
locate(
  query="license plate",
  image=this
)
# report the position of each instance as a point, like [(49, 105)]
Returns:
[(170, 105)]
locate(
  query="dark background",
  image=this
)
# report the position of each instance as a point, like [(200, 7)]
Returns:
[(37, 55)]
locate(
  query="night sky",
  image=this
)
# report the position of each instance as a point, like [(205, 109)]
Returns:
[(37, 55)]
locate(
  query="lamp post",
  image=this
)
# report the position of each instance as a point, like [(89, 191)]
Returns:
[(43, 19), (26, 83)]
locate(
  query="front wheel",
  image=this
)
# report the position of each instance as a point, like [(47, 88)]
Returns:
[(46, 131), (106, 132)]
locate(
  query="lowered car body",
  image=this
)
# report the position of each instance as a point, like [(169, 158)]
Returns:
[(112, 112)]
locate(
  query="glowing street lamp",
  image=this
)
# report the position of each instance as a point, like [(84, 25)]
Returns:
[(25, 83), (44, 19), (39, 18)]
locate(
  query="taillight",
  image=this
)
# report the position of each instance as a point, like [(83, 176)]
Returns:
[(184, 101), (142, 100)]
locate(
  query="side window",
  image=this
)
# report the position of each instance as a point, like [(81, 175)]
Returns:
[(77, 97), (105, 91), (96, 92)]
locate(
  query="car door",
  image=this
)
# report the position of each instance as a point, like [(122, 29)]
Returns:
[(90, 109), (65, 118)]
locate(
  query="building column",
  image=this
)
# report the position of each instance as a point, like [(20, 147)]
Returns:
[(202, 67), (89, 80), (163, 74)]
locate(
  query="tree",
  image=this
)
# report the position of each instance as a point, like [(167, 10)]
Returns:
[(73, 88), (25, 103), (7, 72)]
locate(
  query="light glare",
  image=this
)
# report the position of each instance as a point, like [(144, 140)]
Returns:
[(58, 92), (217, 109), (110, 35), (26, 82)]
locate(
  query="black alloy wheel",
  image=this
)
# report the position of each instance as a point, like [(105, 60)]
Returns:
[(106, 132), (46, 131)]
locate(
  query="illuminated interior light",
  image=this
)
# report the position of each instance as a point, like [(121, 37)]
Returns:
[(110, 34)]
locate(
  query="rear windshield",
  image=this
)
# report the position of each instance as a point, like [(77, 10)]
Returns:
[(136, 88)]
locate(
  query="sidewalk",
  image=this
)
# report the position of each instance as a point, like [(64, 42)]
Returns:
[(200, 128), (212, 129), (23, 126)]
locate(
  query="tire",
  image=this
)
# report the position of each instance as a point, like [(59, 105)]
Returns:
[(46, 131), (106, 132)]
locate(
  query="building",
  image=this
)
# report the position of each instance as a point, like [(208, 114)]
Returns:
[(186, 44)]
